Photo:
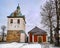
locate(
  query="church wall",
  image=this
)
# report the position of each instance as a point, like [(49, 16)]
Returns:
[(13, 36), (15, 25), (22, 37)]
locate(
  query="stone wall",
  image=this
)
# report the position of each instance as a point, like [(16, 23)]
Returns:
[(13, 36)]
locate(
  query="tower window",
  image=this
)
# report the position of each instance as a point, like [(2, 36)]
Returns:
[(11, 21), (18, 21)]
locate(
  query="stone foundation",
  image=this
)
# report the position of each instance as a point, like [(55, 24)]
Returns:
[(13, 36)]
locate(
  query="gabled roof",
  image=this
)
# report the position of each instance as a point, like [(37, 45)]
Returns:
[(37, 31)]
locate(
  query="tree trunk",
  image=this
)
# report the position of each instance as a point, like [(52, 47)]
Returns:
[(51, 35), (57, 29), (50, 20)]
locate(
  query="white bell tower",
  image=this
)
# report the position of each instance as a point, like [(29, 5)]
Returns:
[(16, 26)]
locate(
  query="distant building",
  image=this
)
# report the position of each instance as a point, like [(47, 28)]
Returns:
[(4, 37), (16, 27), (37, 35), (0, 38)]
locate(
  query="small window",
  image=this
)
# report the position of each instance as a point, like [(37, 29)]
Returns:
[(11, 21), (18, 21)]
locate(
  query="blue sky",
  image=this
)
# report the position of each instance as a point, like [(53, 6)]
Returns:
[(29, 8)]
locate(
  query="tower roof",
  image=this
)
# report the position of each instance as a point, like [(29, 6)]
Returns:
[(18, 7), (17, 12)]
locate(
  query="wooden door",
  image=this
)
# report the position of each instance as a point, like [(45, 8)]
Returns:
[(39, 39)]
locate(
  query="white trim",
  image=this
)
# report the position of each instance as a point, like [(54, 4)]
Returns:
[(46, 38), (33, 38), (29, 38)]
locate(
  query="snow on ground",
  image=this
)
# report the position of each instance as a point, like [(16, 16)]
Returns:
[(32, 46), (19, 45), (26, 45), (11, 45)]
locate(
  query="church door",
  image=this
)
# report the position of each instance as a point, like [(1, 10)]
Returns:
[(39, 39)]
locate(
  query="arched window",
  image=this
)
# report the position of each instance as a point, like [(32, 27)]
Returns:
[(11, 21), (18, 21)]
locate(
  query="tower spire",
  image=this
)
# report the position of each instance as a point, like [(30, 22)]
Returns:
[(18, 7), (18, 4), (17, 12)]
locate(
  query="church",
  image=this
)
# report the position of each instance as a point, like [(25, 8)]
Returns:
[(16, 26)]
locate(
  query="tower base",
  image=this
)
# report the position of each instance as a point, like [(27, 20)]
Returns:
[(13, 36)]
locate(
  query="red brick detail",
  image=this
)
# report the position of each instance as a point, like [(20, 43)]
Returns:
[(44, 38), (30, 35), (35, 38)]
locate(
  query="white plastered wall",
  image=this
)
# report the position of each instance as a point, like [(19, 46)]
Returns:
[(22, 37), (15, 25)]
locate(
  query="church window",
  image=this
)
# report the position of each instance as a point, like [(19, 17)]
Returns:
[(11, 21), (18, 21)]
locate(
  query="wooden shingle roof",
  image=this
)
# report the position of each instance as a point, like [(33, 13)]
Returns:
[(37, 31)]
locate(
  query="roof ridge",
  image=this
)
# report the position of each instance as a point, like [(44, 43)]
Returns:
[(37, 29)]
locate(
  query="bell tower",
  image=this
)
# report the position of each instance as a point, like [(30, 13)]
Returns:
[(16, 26)]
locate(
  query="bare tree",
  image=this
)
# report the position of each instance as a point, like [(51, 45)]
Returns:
[(48, 17), (3, 30), (57, 3)]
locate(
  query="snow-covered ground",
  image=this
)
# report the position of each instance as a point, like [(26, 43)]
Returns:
[(25, 45), (19, 45)]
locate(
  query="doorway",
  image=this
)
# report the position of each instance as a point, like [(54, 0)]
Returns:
[(39, 39)]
